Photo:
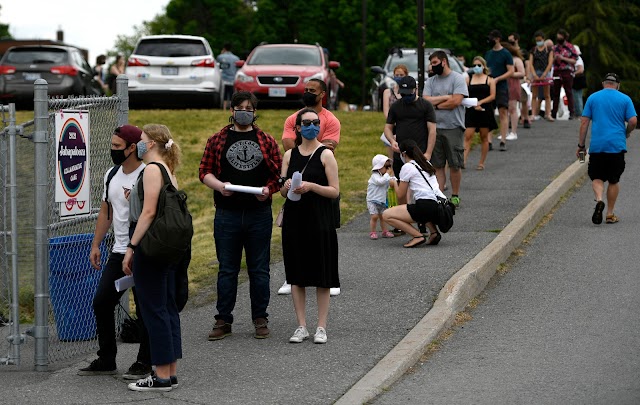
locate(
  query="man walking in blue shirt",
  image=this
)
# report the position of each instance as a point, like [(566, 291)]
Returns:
[(609, 110), (227, 62)]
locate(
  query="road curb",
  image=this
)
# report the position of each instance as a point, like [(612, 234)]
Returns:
[(465, 284)]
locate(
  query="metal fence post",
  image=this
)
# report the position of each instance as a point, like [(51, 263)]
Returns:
[(41, 263), (15, 339), (122, 90)]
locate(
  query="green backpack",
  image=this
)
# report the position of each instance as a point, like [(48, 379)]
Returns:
[(169, 236)]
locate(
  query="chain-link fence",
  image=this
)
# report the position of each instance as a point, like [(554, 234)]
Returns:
[(56, 281)]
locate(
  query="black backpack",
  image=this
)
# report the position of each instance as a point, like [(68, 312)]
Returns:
[(169, 236), (112, 173)]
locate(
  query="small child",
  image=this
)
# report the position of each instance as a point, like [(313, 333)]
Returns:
[(377, 187)]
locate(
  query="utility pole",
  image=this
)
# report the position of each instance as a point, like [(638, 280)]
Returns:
[(363, 98), (421, 29)]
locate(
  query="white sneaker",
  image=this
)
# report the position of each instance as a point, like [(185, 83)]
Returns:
[(512, 136), (299, 335), (320, 336), (285, 289), (334, 291)]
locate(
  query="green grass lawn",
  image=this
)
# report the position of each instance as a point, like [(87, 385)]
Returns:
[(191, 128)]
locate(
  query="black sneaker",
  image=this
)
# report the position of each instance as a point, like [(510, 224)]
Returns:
[(597, 213), (137, 371), (173, 378), (503, 147), (99, 367), (151, 383), (526, 124), (490, 145)]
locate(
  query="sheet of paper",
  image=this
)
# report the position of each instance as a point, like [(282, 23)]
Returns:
[(243, 189), (470, 102), (124, 283)]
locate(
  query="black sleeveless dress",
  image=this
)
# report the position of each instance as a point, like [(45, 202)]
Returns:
[(309, 239), (480, 119)]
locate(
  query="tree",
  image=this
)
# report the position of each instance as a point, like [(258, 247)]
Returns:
[(4, 30)]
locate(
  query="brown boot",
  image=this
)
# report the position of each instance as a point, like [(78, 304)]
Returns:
[(262, 331), (220, 330)]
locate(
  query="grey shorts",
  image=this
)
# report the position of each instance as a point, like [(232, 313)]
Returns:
[(449, 148), (376, 208)]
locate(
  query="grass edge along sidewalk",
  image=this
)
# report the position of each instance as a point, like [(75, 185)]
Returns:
[(465, 284)]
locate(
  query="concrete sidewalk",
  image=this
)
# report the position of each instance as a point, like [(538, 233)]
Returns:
[(387, 290)]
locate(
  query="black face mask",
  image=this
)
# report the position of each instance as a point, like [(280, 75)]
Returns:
[(437, 69), (430, 74), (309, 99), (560, 41), (118, 157)]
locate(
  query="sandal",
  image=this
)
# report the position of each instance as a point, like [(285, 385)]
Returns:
[(480, 167), (421, 240), (436, 240), (612, 219)]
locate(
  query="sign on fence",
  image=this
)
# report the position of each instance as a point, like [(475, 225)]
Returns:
[(72, 163)]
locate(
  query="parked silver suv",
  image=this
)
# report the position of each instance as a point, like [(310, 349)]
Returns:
[(409, 58), (165, 69)]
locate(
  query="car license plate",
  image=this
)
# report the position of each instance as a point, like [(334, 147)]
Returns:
[(31, 76), (169, 71), (277, 92)]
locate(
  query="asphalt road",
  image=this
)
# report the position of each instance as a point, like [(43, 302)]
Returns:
[(560, 327), (386, 291)]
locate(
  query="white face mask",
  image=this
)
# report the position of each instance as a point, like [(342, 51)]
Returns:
[(402, 158)]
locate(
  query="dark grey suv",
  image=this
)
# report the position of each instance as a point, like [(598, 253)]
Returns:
[(63, 67), (409, 58)]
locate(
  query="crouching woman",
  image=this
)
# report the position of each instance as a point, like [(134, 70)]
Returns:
[(419, 176)]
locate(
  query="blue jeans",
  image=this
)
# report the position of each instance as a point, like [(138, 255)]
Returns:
[(577, 102), (234, 230)]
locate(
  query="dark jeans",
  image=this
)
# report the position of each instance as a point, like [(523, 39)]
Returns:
[(104, 303), (565, 80), (156, 288), (233, 231)]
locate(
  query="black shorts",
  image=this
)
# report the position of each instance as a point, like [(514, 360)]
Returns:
[(606, 166), (423, 211), (228, 92), (502, 96)]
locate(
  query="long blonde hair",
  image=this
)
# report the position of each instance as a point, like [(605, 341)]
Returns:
[(167, 147)]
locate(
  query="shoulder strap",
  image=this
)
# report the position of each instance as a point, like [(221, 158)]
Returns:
[(310, 157), (423, 176), (165, 174), (112, 173)]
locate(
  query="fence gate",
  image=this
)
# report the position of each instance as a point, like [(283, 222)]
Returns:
[(46, 280)]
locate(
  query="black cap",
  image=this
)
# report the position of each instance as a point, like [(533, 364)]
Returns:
[(407, 84), (611, 77)]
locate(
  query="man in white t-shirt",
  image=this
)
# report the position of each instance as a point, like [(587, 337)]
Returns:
[(114, 210)]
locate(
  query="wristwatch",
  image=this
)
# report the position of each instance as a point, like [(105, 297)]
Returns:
[(132, 246), (581, 146), (282, 180)]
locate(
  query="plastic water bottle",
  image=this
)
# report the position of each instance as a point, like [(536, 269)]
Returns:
[(296, 180)]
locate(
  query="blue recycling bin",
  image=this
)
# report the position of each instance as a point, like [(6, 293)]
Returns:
[(72, 285)]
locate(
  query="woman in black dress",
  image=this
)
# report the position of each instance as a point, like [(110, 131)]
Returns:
[(309, 239), (481, 117)]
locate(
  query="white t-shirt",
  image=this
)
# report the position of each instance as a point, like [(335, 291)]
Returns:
[(420, 189), (120, 205)]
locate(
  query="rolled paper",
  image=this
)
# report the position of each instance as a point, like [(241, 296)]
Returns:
[(296, 181), (123, 283), (470, 102), (243, 189)]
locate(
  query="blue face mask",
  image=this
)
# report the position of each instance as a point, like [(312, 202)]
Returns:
[(397, 79), (310, 132), (142, 148), (540, 43), (477, 70)]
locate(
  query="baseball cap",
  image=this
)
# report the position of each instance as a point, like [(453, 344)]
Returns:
[(611, 77), (407, 84), (129, 133), (379, 161)]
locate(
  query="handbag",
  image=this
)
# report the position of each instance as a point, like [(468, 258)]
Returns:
[(446, 209), (280, 216)]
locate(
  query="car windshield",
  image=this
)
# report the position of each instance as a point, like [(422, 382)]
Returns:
[(410, 60), (40, 55), (285, 56), (172, 47)]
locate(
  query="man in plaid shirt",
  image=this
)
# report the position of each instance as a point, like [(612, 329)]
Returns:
[(242, 154)]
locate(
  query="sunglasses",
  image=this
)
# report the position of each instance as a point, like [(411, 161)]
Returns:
[(306, 123), (480, 66)]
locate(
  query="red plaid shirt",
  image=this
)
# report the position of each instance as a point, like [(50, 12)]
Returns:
[(212, 157)]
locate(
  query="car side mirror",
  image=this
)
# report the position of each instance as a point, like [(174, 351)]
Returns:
[(334, 65), (239, 63), (378, 70)]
